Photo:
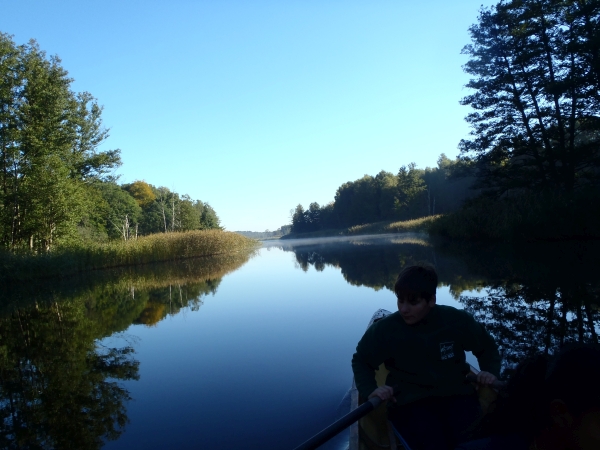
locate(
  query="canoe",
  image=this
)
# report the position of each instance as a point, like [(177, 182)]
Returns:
[(374, 431)]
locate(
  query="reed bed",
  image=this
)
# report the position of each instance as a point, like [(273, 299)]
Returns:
[(148, 249), (114, 283), (414, 225)]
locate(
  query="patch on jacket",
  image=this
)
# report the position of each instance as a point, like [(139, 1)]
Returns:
[(446, 350)]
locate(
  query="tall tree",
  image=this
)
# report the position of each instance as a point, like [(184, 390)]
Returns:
[(49, 137), (298, 220), (411, 200), (121, 212), (536, 84), (387, 190)]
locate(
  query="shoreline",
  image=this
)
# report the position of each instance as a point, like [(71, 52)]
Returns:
[(155, 248)]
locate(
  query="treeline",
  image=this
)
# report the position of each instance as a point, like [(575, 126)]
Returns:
[(138, 209), (409, 194), (56, 187), (535, 139), (267, 234)]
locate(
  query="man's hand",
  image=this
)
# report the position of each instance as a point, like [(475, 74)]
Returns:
[(384, 393), (485, 378)]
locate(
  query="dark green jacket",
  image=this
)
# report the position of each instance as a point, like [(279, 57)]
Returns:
[(426, 359)]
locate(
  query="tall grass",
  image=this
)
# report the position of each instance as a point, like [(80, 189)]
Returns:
[(415, 225), (405, 226), (114, 282), (147, 249)]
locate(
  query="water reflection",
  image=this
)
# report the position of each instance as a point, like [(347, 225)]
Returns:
[(62, 384), (532, 299), (58, 389), (59, 386)]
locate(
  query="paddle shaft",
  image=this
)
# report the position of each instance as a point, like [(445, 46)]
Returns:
[(364, 409), (340, 425)]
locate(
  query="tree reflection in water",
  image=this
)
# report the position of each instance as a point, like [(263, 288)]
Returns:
[(532, 299), (59, 386), (527, 319), (59, 389)]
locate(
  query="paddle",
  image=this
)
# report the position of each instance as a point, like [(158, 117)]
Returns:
[(342, 423)]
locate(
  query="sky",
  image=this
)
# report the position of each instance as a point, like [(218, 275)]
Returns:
[(258, 106)]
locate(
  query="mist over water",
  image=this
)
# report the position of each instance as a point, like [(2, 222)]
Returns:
[(254, 351)]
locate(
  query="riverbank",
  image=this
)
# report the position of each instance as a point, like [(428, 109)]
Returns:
[(528, 217), (158, 247), (417, 225)]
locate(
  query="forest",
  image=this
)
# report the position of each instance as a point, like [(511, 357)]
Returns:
[(57, 188), (410, 194), (534, 147), (533, 155)]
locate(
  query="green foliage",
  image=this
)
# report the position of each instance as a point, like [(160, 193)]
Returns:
[(354, 203), (121, 211), (411, 198), (208, 217), (49, 137), (387, 198), (171, 212), (56, 189)]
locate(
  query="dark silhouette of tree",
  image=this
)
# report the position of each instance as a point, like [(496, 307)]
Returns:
[(536, 122)]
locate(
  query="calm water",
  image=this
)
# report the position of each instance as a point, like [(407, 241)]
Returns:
[(253, 351)]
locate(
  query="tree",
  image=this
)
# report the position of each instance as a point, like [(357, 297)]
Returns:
[(314, 216), (387, 188), (121, 211), (356, 202), (411, 200), (208, 218), (536, 68), (49, 137), (447, 187), (298, 220), (141, 192)]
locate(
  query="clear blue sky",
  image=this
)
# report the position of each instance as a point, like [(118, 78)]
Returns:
[(256, 106)]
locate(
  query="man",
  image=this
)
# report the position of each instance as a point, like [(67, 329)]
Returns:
[(423, 346)]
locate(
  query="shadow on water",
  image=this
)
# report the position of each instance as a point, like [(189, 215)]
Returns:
[(532, 298), (59, 386)]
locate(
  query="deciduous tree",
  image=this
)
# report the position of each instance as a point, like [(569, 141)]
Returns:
[(49, 138)]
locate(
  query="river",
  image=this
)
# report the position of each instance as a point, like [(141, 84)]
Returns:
[(253, 351)]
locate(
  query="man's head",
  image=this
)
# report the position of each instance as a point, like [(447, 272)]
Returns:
[(415, 289)]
